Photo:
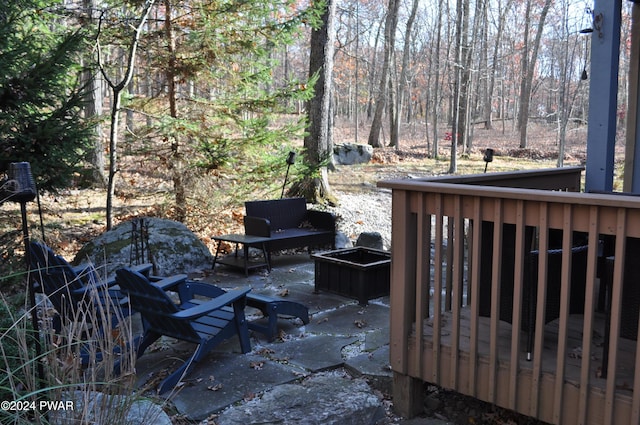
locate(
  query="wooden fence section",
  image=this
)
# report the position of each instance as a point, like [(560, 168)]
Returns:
[(515, 296)]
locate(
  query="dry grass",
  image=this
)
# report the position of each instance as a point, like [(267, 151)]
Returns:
[(98, 333)]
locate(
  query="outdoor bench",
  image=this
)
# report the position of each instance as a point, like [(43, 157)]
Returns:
[(287, 223)]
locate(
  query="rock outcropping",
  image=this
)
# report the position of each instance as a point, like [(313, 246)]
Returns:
[(352, 153), (169, 245)]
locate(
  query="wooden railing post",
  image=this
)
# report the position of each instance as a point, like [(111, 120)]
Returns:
[(407, 390)]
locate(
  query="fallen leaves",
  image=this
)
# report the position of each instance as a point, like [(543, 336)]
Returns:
[(360, 323), (282, 335), (215, 387), (264, 351), (258, 365), (283, 293)]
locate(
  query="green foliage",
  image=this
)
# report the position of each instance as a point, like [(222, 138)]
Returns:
[(226, 51), (40, 92)]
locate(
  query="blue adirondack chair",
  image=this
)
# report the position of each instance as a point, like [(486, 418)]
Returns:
[(77, 292), (205, 323)]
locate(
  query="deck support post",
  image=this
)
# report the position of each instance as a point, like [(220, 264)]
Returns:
[(632, 146), (603, 95), (407, 395)]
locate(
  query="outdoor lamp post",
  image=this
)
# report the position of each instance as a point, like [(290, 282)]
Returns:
[(291, 159), (488, 157)]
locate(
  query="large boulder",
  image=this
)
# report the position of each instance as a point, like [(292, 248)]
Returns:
[(172, 248), (352, 153)]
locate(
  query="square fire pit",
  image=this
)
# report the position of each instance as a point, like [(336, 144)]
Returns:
[(360, 273)]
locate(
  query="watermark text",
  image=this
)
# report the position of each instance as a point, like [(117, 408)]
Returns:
[(33, 405)]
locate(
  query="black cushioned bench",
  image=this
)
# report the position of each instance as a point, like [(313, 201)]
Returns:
[(289, 224)]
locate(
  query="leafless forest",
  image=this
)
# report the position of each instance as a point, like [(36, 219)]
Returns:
[(493, 64)]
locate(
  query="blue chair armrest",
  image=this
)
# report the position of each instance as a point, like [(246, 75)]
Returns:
[(212, 305), (170, 283)]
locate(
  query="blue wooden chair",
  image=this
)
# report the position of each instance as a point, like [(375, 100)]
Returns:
[(77, 292), (205, 323)]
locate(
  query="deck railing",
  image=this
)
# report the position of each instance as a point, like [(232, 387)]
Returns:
[(476, 270)]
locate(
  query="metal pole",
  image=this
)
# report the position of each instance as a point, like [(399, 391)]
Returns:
[(285, 181), (31, 289), (291, 159), (603, 95)]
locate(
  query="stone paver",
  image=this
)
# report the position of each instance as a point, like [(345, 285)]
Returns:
[(328, 371)]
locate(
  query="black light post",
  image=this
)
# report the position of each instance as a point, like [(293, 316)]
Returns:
[(20, 187), (488, 157), (291, 159)]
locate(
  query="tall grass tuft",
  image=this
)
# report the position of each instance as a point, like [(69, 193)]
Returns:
[(87, 362)]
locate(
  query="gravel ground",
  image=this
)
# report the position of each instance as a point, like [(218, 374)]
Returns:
[(365, 211)]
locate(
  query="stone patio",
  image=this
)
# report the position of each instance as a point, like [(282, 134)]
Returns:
[(334, 370)]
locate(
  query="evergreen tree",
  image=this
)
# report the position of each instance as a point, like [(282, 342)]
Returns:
[(218, 104), (40, 92)]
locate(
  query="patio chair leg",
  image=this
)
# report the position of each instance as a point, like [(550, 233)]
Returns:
[(242, 327), (172, 380), (146, 341), (271, 308)]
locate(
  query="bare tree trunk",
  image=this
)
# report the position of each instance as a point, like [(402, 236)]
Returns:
[(372, 74), (176, 160), (391, 22), (457, 116), (402, 82), (528, 67), (470, 97), (93, 108), (496, 48), (130, 125), (117, 89), (436, 85), (567, 99), (318, 144), (356, 76), (464, 67)]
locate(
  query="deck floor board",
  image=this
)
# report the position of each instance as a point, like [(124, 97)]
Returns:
[(626, 357)]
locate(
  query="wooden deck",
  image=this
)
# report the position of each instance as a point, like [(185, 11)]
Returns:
[(526, 370), (573, 364), (473, 255)]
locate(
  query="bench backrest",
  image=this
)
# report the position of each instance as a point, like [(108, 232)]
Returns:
[(283, 213)]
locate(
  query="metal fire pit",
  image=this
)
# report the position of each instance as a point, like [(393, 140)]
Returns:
[(360, 273)]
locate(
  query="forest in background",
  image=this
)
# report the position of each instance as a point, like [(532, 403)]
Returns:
[(207, 97), (430, 64), (224, 84)]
